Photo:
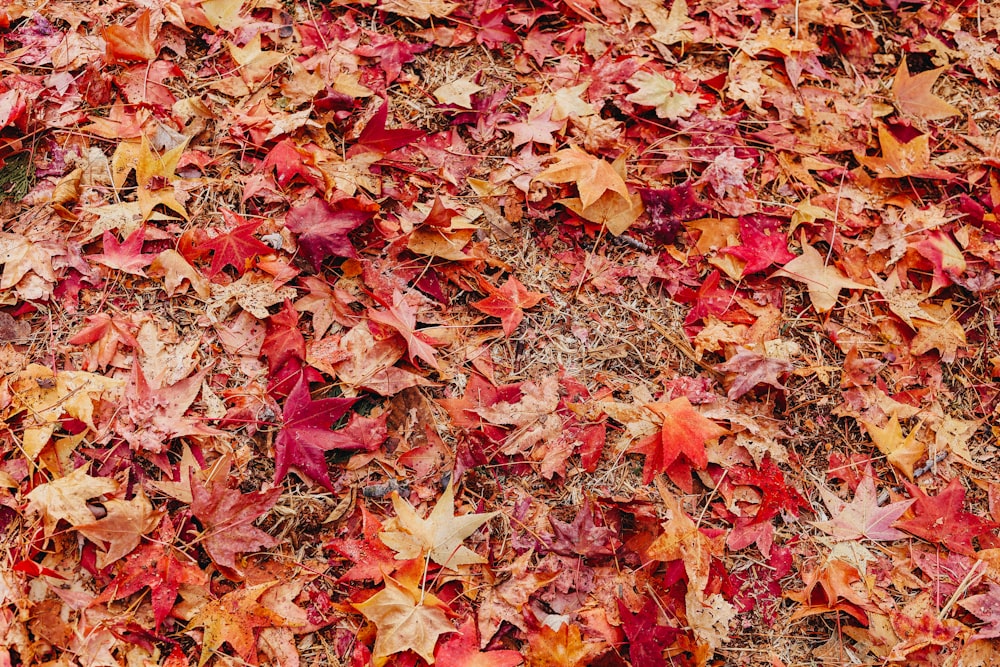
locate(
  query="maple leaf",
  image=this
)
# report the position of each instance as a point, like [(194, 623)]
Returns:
[(508, 302), (439, 537), (903, 453), (941, 519), (376, 138), (538, 129), (227, 517), (402, 316), (753, 368), (561, 647), (323, 227), (776, 494), (65, 499), (684, 433), (986, 606), (283, 341), (154, 174), (656, 90), (913, 94), (463, 649), (830, 586), (105, 333), (763, 245), (405, 622), (419, 9), (122, 527), (155, 416), (126, 256), (938, 329), (592, 175), (46, 396), (372, 559), (236, 247), (233, 619), (862, 517), (130, 44), (306, 434), (901, 159), (647, 638), (255, 63), (823, 280), (669, 207), (583, 536), (159, 566)]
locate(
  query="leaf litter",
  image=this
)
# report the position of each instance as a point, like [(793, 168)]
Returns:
[(578, 333)]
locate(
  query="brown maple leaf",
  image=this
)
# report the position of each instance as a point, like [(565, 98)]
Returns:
[(592, 175), (904, 158)]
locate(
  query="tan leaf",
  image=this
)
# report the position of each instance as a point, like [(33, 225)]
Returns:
[(823, 280), (901, 452), (66, 498), (404, 624), (123, 527), (438, 537)]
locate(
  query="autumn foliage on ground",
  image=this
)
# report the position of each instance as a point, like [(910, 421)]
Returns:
[(582, 332)]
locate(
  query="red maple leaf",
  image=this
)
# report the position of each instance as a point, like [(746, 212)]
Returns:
[(323, 227), (776, 495), (159, 566), (463, 649), (235, 247), (647, 638), (288, 162), (507, 303), (987, 607), (584, 537), (376, 138), (372, 559), (283, 340), (685, 432), (763, 243), (227, 517), (126, 256), (392, 54), (307, 433), (105, 333), (402, 316), (941, 518)]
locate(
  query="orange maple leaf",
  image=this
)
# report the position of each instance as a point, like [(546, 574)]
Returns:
[(901, 159), (592, 175), (913, 94), (233, 618), (685, 432)]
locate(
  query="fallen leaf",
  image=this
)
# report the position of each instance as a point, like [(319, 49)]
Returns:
[(823, 280), (592, 175), (862, 517), (65, 499), (233, 618), (439, 537), (404, 622), (913, 93)]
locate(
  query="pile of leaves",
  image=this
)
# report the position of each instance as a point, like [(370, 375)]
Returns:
[(574, 332)]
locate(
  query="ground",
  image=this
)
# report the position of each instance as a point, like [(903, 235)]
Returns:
[(620, 332)]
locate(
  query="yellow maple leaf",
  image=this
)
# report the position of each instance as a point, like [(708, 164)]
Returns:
[(66, 498), (46, 395), (592, 175), (438, 537), (255, 64), (232, 618), (404, 622), (655, 90), (901, 452), (154, 174)]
